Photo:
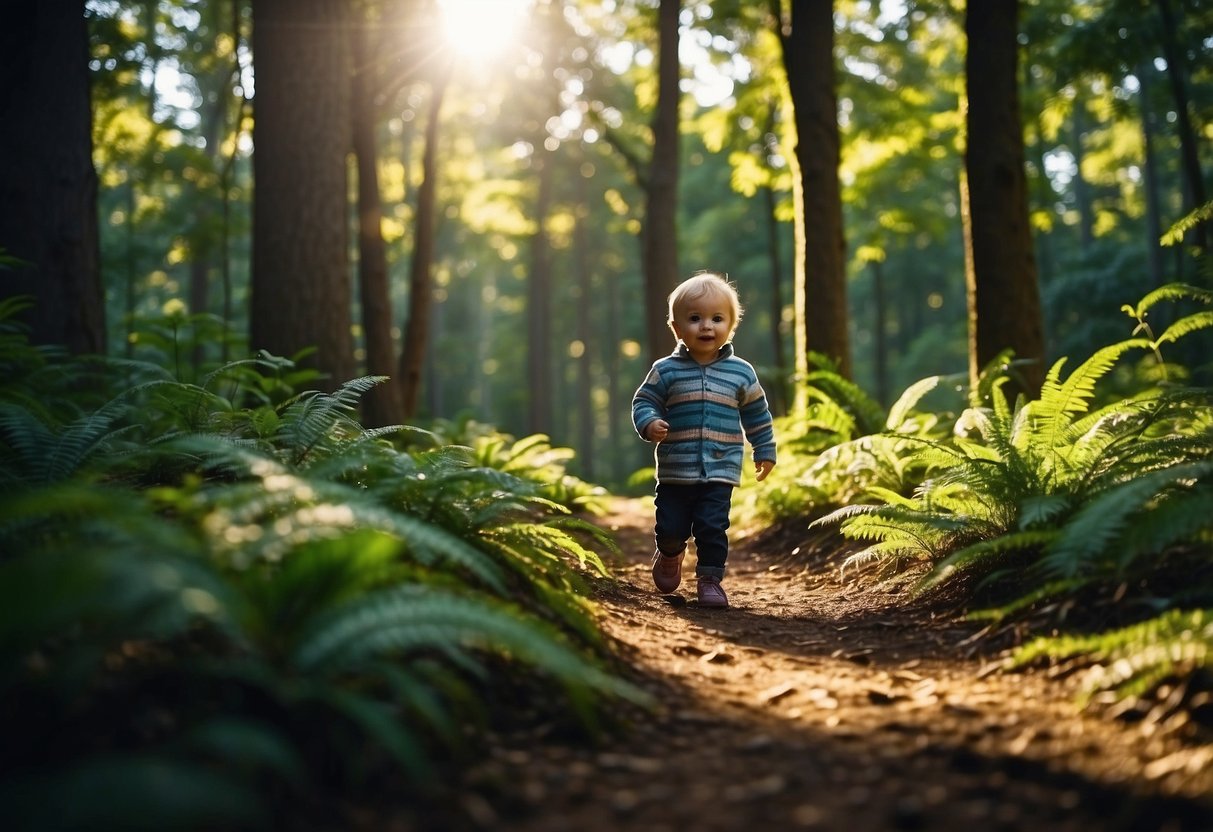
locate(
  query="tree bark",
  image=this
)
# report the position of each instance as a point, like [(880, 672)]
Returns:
[(1177, 73), (383, 405), (1000, 269), (820, 296), (1150, 167), (584, 332), (880, 331), (48, 185), (539, 298), (660, 234), (778, 393), (421, 280), (301, 282)]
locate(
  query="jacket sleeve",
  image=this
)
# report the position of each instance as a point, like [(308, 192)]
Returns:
[(757, 423), (648, 404)]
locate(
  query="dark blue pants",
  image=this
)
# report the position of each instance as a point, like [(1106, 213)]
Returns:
[(700, 510)]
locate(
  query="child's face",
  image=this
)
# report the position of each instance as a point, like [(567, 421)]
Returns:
[(704, 324)]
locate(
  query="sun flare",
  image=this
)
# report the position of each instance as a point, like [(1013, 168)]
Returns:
[(479, 29)]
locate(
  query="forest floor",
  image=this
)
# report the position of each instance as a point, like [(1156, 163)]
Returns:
[(823, 701)]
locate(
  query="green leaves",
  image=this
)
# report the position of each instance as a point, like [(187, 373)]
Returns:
[(269, 585), (1051, 492)]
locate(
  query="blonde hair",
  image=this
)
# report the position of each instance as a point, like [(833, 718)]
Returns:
[(701, 285)]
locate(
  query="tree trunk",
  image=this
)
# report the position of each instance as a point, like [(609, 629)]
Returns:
[(421, 283), (1150, 167), (778, 394), (880, 331), (1177, 72), (539, 299), (1082, 191), (820, 296), (383, 405), (660, 235), (584, 333), (301, 282), (1000, 270), (48, 186)]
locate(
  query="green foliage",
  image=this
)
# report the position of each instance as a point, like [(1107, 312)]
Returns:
[(1062, 497), (533, 458), (1132, 660), (230, 586), (843, 447)]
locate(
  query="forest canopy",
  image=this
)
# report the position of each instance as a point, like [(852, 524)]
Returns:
[(493, 164)]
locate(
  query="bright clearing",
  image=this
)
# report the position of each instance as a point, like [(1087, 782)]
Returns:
[(479, 29)]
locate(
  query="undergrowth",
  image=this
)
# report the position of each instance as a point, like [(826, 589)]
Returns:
[(225, 600), (1087, 511)]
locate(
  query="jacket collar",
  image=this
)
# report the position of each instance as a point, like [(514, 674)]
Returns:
[(681, 351)]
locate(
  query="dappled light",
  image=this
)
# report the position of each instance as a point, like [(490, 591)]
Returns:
[(481, 30), (362, 468)]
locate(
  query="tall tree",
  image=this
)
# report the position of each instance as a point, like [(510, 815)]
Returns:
[(48, 185), (1000, 269), (1177, 75), (820, 296), (301, 282), (415, 348), (385, 404), (659, 258)]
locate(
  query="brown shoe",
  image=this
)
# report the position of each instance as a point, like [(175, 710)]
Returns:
[(711, 593), (667, 570)]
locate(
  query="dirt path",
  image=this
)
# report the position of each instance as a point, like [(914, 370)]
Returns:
[(814, 703)]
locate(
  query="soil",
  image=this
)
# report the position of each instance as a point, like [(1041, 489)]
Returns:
[(822, 700)]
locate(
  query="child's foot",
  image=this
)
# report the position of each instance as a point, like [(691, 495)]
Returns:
[(667, 570), (711, 593)]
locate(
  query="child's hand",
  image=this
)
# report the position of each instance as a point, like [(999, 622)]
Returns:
[(658, 431), (763, 467)]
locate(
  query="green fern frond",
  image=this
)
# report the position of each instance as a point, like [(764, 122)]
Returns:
[(1169, 292), (823, 413), (842, 514), (866, 412), (890, 497), (1185, 326), (900, 411), (310, 418), (1039, 509), (925, 530), (265, 523), (883, 551), (982, 553), (27, 435), (1181, 517), (1094, 527), (410, 619), (102, 562), (536, 543), (1043, 592), (1060, 401), (1133, 659)]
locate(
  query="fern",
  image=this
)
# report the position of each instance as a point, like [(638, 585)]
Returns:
[(899, 413), (984, 553), (1132, 660), (317, 420), (133, 790), (406, 620), (1093, 529), (866, 413), (1060, 401)]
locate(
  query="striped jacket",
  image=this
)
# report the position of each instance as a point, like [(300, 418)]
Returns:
[(711, 409)]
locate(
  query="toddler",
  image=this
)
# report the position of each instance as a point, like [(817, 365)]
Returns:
[(699, 405)]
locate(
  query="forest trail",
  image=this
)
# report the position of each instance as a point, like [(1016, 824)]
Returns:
[(820, 703)]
